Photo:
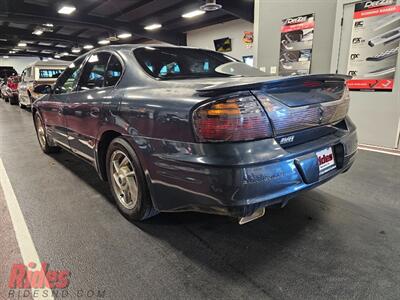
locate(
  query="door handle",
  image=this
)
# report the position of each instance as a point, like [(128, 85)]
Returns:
[(94, 112)]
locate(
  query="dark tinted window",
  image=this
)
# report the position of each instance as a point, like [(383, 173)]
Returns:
[(114, 71), (49, 73), (7, 72), (67, 81), (181, 63), (94, 72)]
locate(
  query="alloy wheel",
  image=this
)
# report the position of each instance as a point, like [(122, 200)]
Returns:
[(40, 132), (124, 179)]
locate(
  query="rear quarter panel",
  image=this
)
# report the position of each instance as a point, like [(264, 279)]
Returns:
[(158, 113)]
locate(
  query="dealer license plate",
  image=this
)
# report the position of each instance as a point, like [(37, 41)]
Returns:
[(326, 160)]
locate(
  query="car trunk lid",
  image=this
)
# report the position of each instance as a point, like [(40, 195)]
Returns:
[(298, 84), (294, 103)]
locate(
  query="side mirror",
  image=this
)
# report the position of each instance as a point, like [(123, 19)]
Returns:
[(43, 89)]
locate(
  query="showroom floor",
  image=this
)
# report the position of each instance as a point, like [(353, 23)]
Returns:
[(339, 241)]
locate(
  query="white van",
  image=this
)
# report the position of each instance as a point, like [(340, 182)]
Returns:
[(40, 72)]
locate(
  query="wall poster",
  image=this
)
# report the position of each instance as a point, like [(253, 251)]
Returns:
[(374, 46), (223, 45), (248, 39), (297, 36)]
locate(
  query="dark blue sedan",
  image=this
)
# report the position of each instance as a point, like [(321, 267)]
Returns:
[(177, 129)]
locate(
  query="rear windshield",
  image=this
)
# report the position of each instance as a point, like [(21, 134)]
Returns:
[(49, 73), (181, 63)]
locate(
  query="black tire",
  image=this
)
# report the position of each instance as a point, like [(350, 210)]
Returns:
[(143, 207), (44, 145), (23, 106), (14, 100), (6, 99)]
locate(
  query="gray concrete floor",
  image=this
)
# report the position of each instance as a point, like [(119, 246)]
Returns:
[(341, 240)]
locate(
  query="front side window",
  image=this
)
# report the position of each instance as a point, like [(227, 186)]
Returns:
[(66, 83), (94, 72), (28, 72)]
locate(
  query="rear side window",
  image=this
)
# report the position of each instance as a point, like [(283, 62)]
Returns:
[(94, 72), (114, 71)]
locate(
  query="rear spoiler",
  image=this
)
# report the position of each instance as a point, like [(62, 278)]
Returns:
[(249, 83)]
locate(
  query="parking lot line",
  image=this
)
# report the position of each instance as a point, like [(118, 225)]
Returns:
[(24, 239)]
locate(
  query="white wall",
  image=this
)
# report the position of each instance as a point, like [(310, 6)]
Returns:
[(19, 63), (268, 18), (155, 42), (204, 37)]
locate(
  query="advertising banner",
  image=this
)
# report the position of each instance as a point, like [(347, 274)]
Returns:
[(297, 36), (374, 46)]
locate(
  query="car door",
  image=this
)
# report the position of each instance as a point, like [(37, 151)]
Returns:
[(86, 106), (54, 106)]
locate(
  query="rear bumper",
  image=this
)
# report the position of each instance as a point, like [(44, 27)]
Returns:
[(12, 93), (236, 179)]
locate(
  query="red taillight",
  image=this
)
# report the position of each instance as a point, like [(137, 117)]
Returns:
[(231, 120)]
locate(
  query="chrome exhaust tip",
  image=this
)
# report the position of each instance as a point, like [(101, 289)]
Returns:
[(254, 216)]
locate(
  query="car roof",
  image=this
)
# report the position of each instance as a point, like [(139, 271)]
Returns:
[(53, 63), (135, 46), (129, 47)]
